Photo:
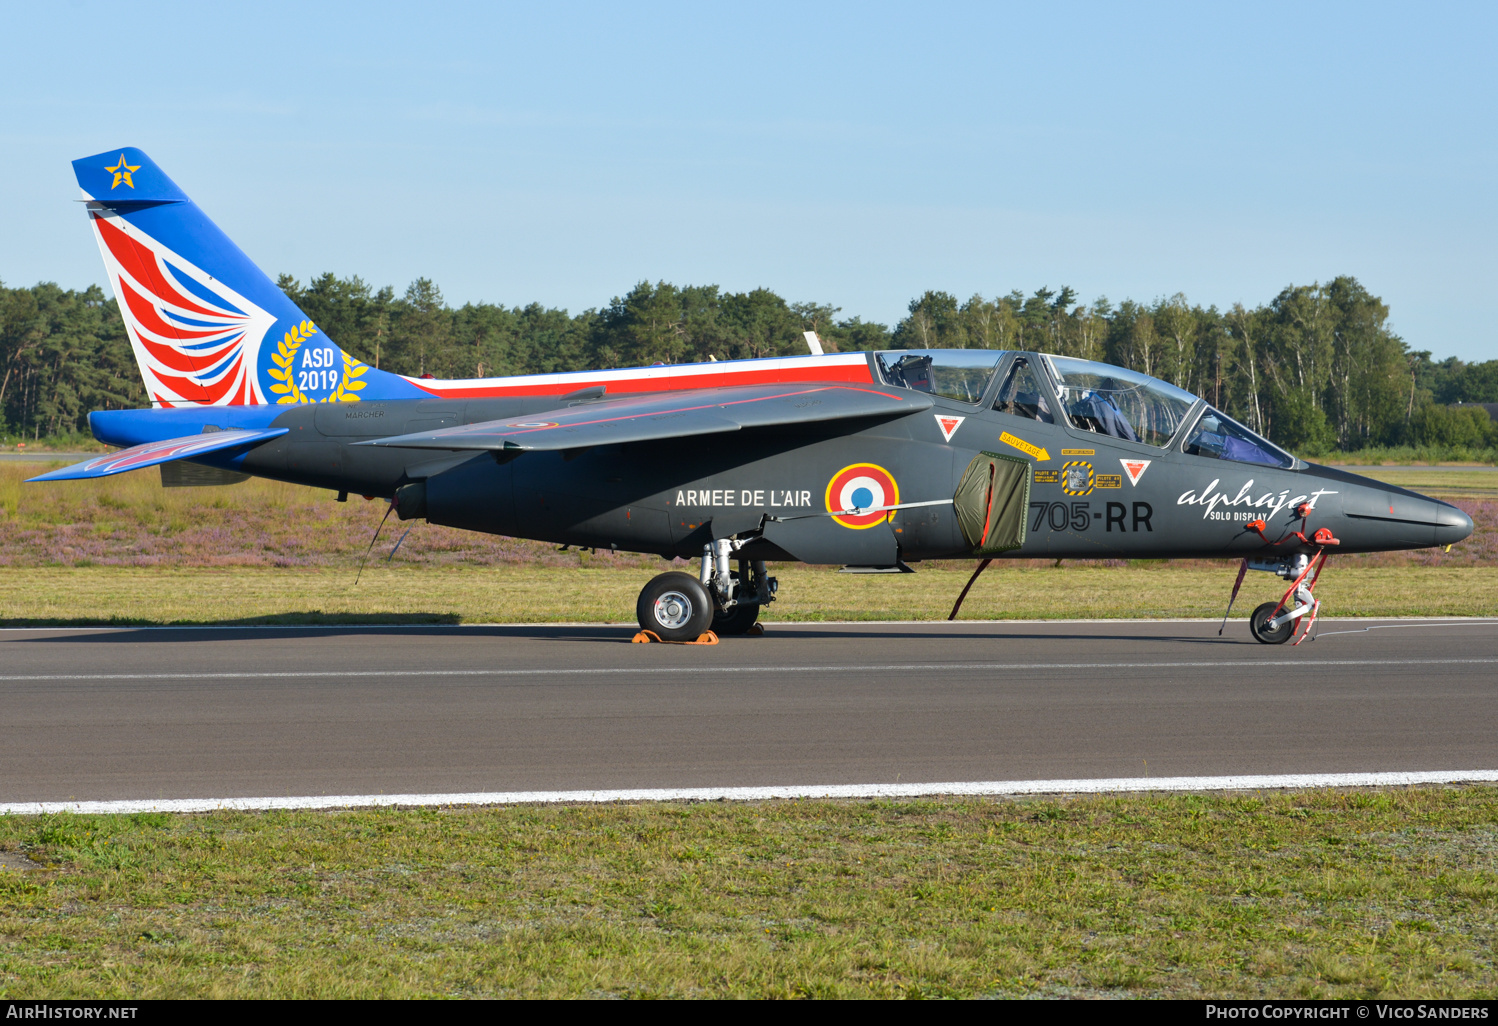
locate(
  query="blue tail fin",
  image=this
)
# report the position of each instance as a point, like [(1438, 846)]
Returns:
[(207, 326)]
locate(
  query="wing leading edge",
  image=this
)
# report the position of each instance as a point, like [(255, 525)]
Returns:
[(673, 415)]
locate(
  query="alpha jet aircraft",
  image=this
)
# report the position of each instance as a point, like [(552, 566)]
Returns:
[(869, 460)]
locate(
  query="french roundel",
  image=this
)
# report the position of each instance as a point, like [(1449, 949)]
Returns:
[(862, 486)]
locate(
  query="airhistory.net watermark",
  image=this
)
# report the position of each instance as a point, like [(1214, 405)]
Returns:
[(43, 1010)]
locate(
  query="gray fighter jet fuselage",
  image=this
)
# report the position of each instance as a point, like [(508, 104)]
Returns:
[(1089, 461), (1092, 495)]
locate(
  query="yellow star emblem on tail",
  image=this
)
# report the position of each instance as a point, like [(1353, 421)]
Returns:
[(122, 172)]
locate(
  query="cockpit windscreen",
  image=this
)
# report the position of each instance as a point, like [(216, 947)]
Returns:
[(1221, 437), (960, 374), (1122, 403)]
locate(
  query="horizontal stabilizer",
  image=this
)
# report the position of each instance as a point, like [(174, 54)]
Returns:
[(682, 414), (152, 453)]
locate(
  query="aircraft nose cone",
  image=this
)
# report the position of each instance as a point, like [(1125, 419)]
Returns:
[(1452, 525)]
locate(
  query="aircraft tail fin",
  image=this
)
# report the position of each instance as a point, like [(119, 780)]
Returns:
[(207, 326)]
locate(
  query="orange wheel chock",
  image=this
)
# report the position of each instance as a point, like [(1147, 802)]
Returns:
[(646, 637)]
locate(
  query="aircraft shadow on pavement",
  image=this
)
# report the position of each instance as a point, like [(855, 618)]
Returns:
[(246, 630)]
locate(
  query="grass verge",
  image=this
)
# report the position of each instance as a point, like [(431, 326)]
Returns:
[(1381, 455), (1442, 482), (246, 595), (1317, 894)]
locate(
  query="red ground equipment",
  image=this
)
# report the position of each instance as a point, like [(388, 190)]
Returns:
[(1274, 623)]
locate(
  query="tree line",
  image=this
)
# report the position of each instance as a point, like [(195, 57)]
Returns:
[(1316, 368)]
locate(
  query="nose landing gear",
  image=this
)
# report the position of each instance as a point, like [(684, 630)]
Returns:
[(1274, 623)]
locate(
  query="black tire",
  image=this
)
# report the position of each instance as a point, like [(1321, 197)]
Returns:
[(737, 620), (675, 606), (1258, 626)]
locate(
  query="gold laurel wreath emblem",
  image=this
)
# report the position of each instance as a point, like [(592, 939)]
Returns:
[(285, 358)]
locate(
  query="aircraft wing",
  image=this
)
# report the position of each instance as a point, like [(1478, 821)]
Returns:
[(152, 453), (701, 411)]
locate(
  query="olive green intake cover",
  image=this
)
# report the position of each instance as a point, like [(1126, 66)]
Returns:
[(991, 501)]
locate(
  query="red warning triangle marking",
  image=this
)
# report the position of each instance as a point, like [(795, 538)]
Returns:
[(1135, 469), (948, 425)]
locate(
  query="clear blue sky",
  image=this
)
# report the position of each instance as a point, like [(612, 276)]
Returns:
[(855, 154)]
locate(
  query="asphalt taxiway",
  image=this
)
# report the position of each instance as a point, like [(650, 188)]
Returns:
[(201, 713), (46, 457)]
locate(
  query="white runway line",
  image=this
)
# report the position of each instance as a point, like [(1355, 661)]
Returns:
[(697, 671), (1400, 626), (1115, 785)]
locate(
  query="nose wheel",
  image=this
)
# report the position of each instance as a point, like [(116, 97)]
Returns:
[(1261, 625)]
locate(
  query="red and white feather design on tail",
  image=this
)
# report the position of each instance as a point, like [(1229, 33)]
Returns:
[(192, 350)]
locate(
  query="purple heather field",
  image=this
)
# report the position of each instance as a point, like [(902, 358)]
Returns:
[(132, 521)]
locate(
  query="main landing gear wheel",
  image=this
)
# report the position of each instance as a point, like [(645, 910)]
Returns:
[(676, 607), (1258, 626), (737, 620)]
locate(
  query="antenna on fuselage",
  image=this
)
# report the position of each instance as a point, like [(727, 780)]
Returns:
[(813, 342)]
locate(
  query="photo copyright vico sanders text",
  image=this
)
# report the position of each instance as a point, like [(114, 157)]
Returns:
[(1370, 1010)]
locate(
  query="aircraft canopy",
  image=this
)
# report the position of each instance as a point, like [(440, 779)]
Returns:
[(1094, 396), (960, 374), (1123, 403)]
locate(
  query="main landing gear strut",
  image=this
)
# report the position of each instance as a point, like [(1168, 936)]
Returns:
[(1274, 623), (678, 606)]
